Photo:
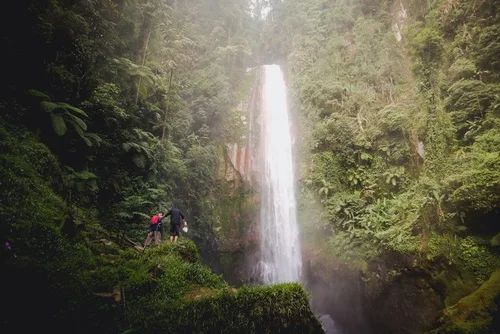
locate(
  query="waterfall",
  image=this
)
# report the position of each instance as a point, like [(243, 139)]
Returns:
[(281, 259)]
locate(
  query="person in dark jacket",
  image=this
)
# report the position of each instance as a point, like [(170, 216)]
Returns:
[(176, 218)]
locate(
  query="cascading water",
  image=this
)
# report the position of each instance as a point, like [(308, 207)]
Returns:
[(281, 259)]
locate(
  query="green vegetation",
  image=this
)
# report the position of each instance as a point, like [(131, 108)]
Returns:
[(94, 285), (71, 274), (475, 313), (133, 98), (398, 103), (395, 156), (111, 110)]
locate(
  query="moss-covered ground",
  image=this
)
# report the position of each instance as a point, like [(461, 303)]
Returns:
[(95, 285)]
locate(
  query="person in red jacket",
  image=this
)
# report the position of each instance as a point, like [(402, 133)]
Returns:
[(154, 229)]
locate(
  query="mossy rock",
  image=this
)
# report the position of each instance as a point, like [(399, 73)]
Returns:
[(185, 249), (167, 293), (281, 308), (455, 284), (475, 313)]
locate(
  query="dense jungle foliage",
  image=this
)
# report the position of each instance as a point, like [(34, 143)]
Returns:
[(113, 109), (399, 103), (132, 97)]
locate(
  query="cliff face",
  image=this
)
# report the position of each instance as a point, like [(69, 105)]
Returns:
[(238, 202), (242, 157)]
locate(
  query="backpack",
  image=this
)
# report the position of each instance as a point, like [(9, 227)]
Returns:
[(154, 220)]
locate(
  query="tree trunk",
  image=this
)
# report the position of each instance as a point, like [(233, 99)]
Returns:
[(164, 131), (148, 24)]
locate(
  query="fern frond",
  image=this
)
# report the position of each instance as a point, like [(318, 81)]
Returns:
[(134, 70), (139, 161), (141, 214), (126, 146), (123, 215)]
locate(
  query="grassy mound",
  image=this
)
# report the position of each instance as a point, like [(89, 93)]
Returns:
[(99, 287), (168, 290), (278, 309)]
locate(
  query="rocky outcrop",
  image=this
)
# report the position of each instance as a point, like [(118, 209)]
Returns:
[(389, 295), (407, 304), (336, 290)]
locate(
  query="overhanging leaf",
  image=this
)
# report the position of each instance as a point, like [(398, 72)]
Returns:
[(77, 128), (48, 106), (70, 107), (58, 124), (78, 121), (37, 93), (87, 141)]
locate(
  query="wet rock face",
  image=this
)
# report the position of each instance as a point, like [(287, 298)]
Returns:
[(341, 300), (398, 297), (406, 305), (386, 297), (236, 218), (241, 163), (336, 290), (236, 264)]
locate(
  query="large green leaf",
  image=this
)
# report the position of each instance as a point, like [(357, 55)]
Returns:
[(78, 121), (77, 127), (54, 106), (48, 106), (87, 141), (37, 93), (93, 138), (69, 107), (58, 124)]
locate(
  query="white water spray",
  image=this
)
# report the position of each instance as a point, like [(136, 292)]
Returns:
[(281, 259)]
